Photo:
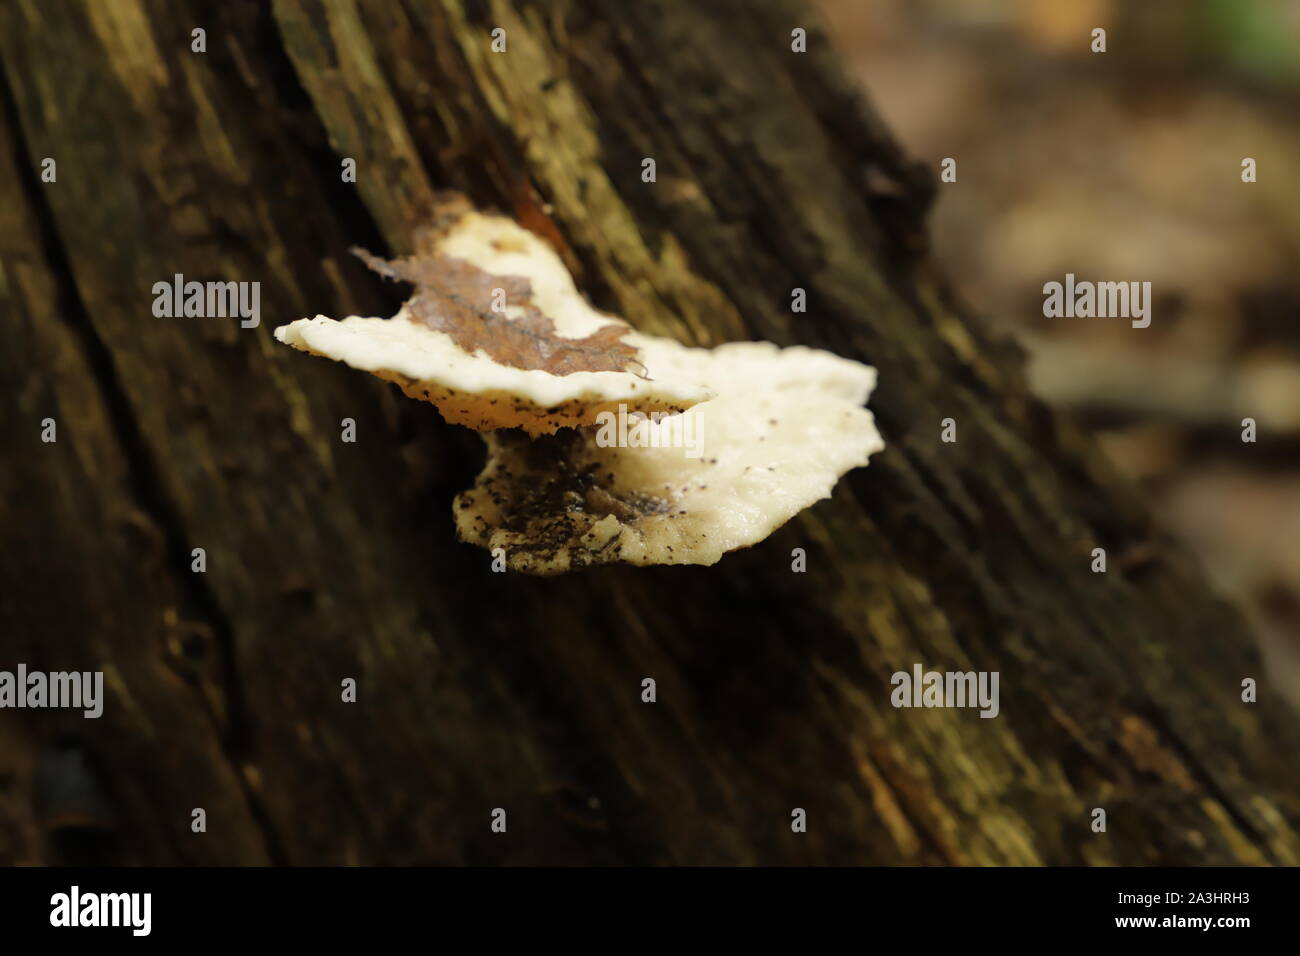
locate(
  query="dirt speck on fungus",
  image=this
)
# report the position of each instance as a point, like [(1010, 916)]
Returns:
[(547, 498)]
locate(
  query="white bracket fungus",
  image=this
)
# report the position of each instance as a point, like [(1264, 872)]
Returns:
[(498, 337)]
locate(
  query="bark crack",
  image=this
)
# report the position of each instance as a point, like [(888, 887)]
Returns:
[(143, 475)]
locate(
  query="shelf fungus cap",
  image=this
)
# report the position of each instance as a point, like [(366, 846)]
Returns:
[(686, 489), (497, 336), (604, 444)]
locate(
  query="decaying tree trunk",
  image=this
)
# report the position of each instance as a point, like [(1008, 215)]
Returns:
[(478, 690)]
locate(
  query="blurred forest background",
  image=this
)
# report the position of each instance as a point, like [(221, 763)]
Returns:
[(1126, 167)]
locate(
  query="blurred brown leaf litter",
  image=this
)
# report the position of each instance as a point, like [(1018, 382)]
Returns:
[(1126, 166)]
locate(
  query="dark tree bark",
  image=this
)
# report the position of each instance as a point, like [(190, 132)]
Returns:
[(479, 690)]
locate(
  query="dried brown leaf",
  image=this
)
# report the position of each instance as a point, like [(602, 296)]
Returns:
[(455, 297)]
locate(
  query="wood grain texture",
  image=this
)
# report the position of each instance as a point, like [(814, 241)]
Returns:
[(477, 690)]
